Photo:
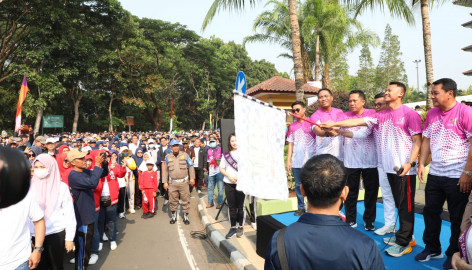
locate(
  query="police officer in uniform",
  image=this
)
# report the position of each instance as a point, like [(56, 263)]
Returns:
[(177, 174)]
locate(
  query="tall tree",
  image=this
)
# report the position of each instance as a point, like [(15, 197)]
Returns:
[(400, 8), (366, 72), (294, 27), (390, 66)]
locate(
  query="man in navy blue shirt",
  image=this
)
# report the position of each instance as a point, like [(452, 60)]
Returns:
[(320, 239), (82, 182)]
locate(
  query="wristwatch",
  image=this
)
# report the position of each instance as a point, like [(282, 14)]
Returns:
[(468, 173), (413, 164), (41, 249)]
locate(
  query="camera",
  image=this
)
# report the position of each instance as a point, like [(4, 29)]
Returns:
[(15, 176)]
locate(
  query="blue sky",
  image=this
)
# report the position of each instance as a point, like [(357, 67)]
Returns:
[(448, 36)]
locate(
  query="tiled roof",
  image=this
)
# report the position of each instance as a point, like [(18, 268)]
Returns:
[(468, 48), (468, 73), (279, 84)]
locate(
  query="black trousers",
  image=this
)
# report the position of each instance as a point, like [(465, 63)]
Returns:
[(199, 178), (403, 190), (83, 246), (138, 196), (53, 255), (235, 200), (370, 177), (163, 191), (440, 189), (121, 200)]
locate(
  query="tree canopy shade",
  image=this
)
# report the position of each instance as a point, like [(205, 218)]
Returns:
[(95, 63)]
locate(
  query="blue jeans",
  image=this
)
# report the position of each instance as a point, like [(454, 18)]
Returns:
[(218, 179), (96, 235), (23, 266), (296, 177), (108, 213)]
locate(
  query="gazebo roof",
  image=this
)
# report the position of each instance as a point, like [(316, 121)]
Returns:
[(468, 73), (468, 48), (279, 84), (467, 24)]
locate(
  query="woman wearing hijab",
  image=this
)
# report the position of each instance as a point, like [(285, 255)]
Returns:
[(54, 198), (64, 167), (143, 167), (138, 158), (64, 149)]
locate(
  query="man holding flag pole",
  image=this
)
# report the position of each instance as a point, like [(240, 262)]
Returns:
[(23, 91)]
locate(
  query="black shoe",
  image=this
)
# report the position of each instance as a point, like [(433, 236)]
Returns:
[(172, 221), (186, 221), (143, 215), (427, 255), (299, 212), (146, 215), (232, 232), (369, 227)]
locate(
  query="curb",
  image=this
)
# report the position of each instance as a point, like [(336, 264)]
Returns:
[(219, 241)]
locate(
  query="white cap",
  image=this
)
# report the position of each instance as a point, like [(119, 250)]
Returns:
[(123, 148), (86, 149), (149, 161), (151, 141), (50, 140)]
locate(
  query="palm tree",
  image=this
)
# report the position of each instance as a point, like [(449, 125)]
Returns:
[(400, 8), (327, 33), (295, 34)]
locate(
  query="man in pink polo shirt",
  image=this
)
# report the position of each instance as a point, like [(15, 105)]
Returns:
[(400, 130), (327, 142), (301, 147), (360, 157), (447, 138)]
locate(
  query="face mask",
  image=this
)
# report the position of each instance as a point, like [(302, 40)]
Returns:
[(213, 145), (41, 173)]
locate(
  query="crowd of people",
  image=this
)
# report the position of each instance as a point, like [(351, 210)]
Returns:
[(82, 182), (389, 147)]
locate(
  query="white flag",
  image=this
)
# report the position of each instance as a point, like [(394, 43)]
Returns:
[(260, 134)]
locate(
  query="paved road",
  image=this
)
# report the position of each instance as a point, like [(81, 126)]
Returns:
[(156, 244)]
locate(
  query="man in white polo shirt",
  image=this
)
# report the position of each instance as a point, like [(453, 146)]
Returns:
[(15, 238)]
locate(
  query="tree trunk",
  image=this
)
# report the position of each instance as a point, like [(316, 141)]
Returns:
[(151, 118), (37, 123), (307, 70), (297, 55), (325, 80), (110, 125), (428, 55), (76, 114), (317, 58)]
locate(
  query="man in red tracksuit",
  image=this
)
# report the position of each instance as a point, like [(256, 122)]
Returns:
[(148, 186)]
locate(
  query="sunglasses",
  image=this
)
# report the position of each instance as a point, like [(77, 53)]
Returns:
[(295, 110), (30, 155), (378, 104)]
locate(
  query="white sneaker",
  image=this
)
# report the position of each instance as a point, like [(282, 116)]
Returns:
[(385, 230), (105, 238), (199, 191), (113, 245), (93, 259), (122, 215), (132, 211), (72, 261), (166, 202), (100, 246), (254, 226)]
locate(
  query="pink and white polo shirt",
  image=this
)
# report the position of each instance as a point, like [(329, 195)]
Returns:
[(395, 127), (449, 133), (328, 145), (360, 153), (303, 139)]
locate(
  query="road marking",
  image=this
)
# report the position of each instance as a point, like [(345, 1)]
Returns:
[(183, 241)]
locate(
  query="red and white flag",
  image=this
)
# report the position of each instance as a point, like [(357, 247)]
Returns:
[(23, 91)]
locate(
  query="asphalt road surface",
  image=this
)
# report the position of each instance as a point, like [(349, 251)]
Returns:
[(156, 244)]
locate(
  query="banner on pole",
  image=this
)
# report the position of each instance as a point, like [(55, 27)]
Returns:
[(260, 132), (23, 92), (130, 120)]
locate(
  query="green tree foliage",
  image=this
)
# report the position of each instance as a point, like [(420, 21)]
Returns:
[(95, 63), (390, 67)]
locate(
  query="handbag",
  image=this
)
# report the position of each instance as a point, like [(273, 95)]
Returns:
[(105, 201)]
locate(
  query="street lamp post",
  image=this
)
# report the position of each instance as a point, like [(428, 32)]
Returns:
[(417, 73)]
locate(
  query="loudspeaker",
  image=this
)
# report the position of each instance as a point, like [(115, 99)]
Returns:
[(227, 127)]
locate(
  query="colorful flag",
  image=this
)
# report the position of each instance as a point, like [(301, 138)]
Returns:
[(23, 91)]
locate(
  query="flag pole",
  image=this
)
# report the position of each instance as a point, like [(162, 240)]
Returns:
[(171, 114), (22, 96)]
